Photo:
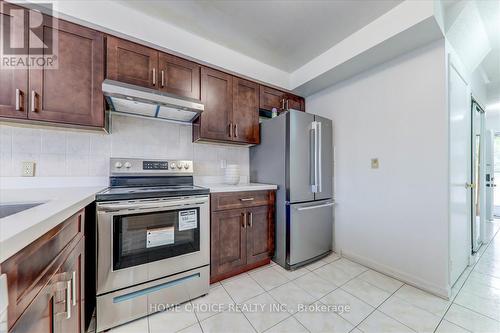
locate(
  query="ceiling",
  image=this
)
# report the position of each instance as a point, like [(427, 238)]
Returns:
[(281, 33), (489, 11)]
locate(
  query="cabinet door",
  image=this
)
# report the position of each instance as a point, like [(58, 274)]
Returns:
[(39, 316), (294, 102), (228, 241), (73, 269), (271, 98), (259, 234), (14, 81), (245, 111), (131, 63), (178, 76), (217, 96), (72, 92)]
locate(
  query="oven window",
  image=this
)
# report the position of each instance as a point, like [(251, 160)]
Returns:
[(142, 238)]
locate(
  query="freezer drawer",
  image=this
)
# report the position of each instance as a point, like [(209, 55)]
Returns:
[(309, 228)]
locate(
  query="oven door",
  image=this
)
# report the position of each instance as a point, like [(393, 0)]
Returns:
[(143, 240)]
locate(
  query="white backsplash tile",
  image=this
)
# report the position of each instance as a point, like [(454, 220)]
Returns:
[(26, 140), (5, 139), (53, 142), (77, 143), (70, 153)]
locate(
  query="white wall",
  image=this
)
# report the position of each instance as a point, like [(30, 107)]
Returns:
[(394, 218), (72, 153)]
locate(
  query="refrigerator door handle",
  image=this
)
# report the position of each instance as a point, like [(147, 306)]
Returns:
[(328, 204), (314, 150), (312, 165), (319, 164)]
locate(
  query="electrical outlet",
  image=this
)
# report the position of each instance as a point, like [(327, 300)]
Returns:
[(29, 169), (223, 164), (375, 164)]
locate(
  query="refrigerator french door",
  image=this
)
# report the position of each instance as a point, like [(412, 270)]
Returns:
[(296, 153)]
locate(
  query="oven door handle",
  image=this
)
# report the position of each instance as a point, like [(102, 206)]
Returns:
[(151, 205)]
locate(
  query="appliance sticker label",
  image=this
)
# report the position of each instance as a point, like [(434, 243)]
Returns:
[(160, 236), (188, 219)]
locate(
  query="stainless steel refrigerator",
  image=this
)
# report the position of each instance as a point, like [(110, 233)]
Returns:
[(296, 153)]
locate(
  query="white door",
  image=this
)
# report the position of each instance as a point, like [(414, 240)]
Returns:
[(460, 173)]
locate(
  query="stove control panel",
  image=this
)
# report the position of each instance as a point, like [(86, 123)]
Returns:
[(149, 166)]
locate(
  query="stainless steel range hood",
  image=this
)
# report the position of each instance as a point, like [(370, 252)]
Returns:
[(128, 99)]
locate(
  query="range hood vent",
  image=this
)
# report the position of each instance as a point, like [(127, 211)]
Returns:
[(128, 99)]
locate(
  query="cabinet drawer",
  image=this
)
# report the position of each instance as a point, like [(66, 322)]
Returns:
[(29, 270), (234, 200)]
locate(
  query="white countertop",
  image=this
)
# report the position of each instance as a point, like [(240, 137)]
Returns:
[(21, 229), (239, 187)]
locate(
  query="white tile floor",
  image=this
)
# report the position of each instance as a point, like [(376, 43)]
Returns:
[(377, 302)]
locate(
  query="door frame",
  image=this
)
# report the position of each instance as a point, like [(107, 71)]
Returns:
[(479, 185)]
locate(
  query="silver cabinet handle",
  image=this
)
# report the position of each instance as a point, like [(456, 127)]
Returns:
[(154, 76), (73, 287), (18, 100), (283, 104), (317, 206), (247, 199), (244, 224), (250, 219), (68, 299), (235, 130), (162, 78), (230, 130), (33, 101)]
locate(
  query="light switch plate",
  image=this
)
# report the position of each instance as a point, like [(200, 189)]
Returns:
[(374, 163), (29, 169)]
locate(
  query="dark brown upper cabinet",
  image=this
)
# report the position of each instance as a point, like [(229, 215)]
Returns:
[(271, 98), (231, 109), (142, 66), (70, 93), (67, 91), (14, 81), (217, 96), (178, 76), (131, 63), (294, 102), (245, 115)]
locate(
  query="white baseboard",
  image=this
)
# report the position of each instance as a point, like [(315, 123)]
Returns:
[(397, 274)]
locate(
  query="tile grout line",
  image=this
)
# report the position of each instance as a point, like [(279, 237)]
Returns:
[(461, 287), (377, 307), (239, 303)]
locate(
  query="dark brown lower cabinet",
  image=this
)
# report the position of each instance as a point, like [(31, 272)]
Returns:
[(45, 281), (241, 238)]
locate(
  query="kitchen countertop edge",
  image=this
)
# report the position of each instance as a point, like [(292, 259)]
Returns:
[(220, 188), (22, 238)]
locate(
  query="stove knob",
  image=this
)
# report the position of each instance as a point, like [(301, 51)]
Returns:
[(118, 165), (179, 165), (186, 166), (172, 165), (127, 165)]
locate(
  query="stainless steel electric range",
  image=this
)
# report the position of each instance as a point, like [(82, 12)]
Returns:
[(152, 239)]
